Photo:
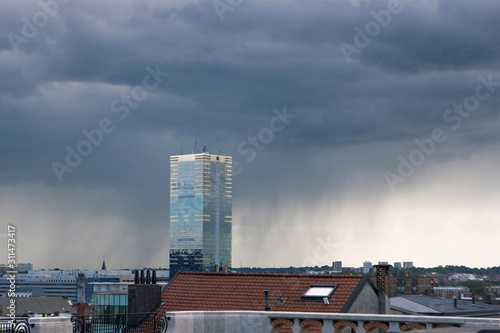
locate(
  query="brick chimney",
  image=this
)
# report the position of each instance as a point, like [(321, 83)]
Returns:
[(80, 297), (384, 279), (383, 286)]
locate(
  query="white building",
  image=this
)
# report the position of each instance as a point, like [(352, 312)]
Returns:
[(367, 265), (407, 264)]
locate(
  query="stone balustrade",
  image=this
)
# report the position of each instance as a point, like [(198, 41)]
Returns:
[(296, 322), (302, 322)]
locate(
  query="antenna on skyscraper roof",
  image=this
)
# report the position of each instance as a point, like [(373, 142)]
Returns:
[(195, 144)]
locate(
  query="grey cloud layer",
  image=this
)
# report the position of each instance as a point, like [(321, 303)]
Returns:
[(225, 77)]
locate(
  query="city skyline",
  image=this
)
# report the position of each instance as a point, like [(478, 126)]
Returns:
[(359, 130)]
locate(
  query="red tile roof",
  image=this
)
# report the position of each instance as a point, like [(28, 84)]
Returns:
[(200, 291)]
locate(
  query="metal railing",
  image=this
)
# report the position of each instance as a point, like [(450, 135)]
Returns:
[(150, 322), (16, 325)]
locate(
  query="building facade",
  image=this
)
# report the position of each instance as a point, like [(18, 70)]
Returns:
[(64, 283), (337, 266), (64, 286), (109, 298), (367, 267), (24, 267), (407, 264), (200, 212), (407, 283)]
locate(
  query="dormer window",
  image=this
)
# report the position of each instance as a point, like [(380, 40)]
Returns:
[(317, 292)]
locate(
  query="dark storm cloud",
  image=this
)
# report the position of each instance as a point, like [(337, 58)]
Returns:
[(445, 36), (228, 75), (352, 119)]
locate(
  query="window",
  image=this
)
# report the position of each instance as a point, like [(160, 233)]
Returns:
[(317, 292)]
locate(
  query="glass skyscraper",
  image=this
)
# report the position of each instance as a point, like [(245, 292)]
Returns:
[(200, 212)]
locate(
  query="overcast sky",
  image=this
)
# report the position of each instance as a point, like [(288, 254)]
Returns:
[(360, 130)]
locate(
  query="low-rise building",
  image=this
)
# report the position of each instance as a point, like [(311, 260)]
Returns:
[(24, 267), (450, 291), (433, 306), (407, 283), (64, 282), (32, 306)]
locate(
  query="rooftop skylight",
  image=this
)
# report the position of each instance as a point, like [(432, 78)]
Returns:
[(316, 292)]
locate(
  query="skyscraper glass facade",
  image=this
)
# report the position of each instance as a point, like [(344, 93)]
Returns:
[(200, 212)]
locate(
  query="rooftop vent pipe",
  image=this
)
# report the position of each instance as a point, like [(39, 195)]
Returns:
[(266, 294)]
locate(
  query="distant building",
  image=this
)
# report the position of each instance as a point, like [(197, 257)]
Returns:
[(383, 263), (463, 277), (200, 212), (495, 290), (432, 306), (29, 306), (407, 264), (63, 283), (450, 292), (24, 267), (492, 294), (367, 266), (397, 265), (127, 296), (110, 298), (64, 286), (3, 270), (407, 283), (337, 266), (92, 279)]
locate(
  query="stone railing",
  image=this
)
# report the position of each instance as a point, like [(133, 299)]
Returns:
[(60, 324), (296, 322), (302, 322)]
